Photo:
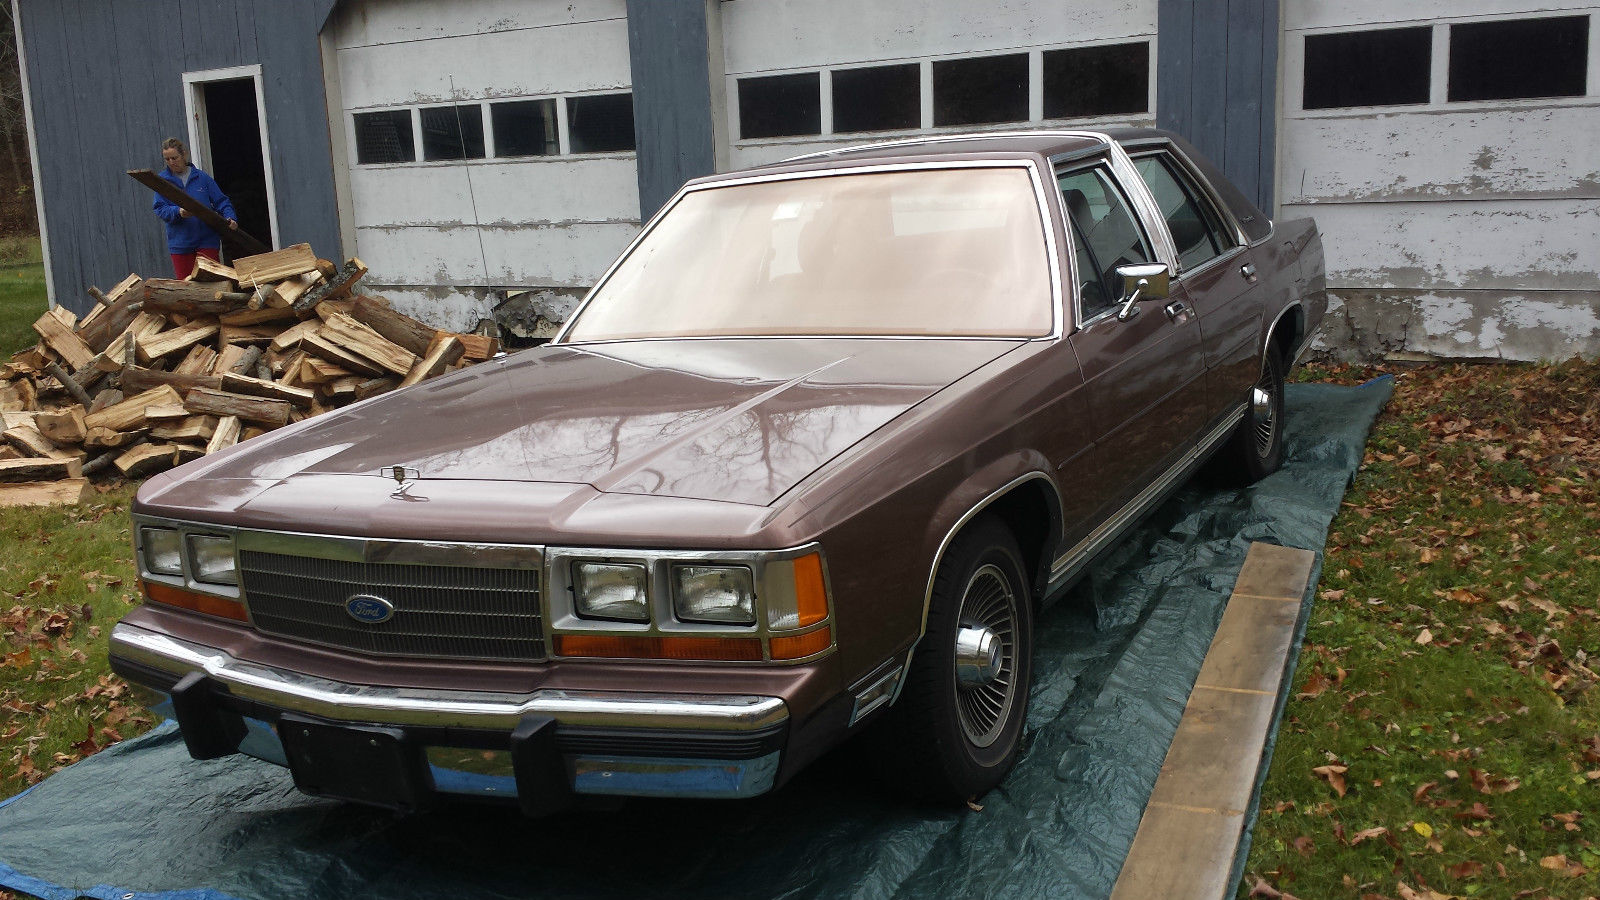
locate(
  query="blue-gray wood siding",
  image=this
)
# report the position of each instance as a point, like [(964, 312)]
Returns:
[(669, 51), (106, 79), (1217, 85)]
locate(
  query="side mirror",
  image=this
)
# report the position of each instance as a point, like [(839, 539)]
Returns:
[(1142, 281)]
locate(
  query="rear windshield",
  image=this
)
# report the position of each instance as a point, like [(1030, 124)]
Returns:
[(937, 252)]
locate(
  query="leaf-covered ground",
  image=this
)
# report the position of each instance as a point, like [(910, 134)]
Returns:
[(1443, 739)]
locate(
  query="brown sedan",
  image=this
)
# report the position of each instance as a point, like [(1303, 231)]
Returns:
[(807, 462)]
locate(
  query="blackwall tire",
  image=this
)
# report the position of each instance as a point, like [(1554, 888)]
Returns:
[(1256, 448), (957, 727)]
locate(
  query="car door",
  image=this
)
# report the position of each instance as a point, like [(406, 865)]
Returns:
[(1217, 274), (1144, 377)]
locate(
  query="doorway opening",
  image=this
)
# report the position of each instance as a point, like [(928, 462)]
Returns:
[(228, 136)]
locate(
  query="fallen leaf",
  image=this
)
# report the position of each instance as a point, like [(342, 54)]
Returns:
[(1425, 637), (1367, 834), (1422, 828), (1468, 869), (1334, 775)]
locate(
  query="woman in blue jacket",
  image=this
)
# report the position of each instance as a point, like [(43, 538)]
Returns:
[(188, 237)]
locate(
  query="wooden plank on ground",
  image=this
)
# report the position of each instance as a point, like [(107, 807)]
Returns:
[(45, 493), (237, 239), (1191, 828), (276, 265)]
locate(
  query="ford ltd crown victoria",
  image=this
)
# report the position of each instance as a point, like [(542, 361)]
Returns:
[(807, 462)]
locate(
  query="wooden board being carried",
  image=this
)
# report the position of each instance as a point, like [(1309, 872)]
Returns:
[(238, 240)]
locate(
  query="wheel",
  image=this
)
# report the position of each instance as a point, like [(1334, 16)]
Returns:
[(957, 727), (1256, 448)]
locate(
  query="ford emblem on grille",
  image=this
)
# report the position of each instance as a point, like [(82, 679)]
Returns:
[(368, 608)]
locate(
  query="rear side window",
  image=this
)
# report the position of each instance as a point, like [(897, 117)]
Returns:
[(1195, 227), (1105, 235)]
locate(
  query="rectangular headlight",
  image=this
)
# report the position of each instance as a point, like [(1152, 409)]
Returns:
[(212, 558), (163, 550), (714, 594), (610, 591)]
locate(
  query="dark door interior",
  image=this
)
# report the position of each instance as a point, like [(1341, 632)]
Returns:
[(233, 130)]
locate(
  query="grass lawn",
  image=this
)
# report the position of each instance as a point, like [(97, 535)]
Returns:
[(22, 293), (1444, 736)]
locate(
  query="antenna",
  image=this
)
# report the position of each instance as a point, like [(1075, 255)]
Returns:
[(477, 226)]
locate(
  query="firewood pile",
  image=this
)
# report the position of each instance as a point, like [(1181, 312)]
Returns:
[(161, 372)]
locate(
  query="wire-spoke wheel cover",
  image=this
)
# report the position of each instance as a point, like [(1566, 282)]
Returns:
[(989, 602)]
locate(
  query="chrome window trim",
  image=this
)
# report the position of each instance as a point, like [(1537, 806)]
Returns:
[(1046, 222), (343, 701), (1068, 563), (1240, 238)]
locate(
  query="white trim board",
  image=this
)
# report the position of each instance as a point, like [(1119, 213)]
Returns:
[(199, 141), (33, 158)]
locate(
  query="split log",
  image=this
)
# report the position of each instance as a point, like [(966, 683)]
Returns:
[(231, 355), (9, 452), (177, 339), (18, 419), (55, 328), (276, 265), (190, 298), (195, 429), (292, 336), (368, 344), (15, 470), (342, 390), (286, 293), (257, 316), (445, 351), (479, 347), (320, 347), (225, 435), (256, 387), (248, 334), (106, 437), (374, 312), (30, 442), (198, 362), (165, 413), (247, 362), (319, 371), (123, 350), (45, 493), (107, 397), (147, 379), (146, 459), (372, 387), (64, 426), (19, 395), (212, 271), (272, 413), (333, 288), (237, 239), (289, 368), (129, 415)]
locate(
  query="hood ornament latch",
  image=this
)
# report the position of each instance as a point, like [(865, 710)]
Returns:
[(405, 478)]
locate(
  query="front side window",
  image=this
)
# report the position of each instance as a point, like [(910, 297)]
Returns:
[(1105, 235), (940, 252), (1194, 225)]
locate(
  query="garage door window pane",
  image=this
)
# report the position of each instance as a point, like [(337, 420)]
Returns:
[(1097, 81), (452, 132), (780, 105), (524, 128), (385, 137), (882, 98), (601, 123), (1519, 59), (1386, 67), (980, 91)]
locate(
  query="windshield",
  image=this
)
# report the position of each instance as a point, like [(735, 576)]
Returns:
[(940, 252)]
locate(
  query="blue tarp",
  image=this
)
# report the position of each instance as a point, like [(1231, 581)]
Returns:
[(1115, 663)]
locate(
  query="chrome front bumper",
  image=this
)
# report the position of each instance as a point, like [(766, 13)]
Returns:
[(703, 718)]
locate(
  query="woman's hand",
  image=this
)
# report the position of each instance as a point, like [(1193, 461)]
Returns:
[(184, 213), (233, 225)]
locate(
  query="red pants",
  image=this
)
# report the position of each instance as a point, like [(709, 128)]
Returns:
[(183, 263)]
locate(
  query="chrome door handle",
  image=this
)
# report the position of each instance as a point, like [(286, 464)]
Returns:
[(1176, 310), (1248, 270)]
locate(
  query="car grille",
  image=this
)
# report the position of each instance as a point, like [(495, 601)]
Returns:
[(440, 611)]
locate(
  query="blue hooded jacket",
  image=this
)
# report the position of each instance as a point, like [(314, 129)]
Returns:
[(189, 235)]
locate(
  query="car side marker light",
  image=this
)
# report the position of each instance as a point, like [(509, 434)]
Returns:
[(201, 603), (811, 593)]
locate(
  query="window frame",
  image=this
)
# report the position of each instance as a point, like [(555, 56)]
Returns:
[(414, 112), (1213, 213), (1109, 170)]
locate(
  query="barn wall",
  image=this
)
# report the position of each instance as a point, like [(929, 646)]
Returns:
[(771, 37), (449, 241), (1217, 85), (106, 84), (1453, 229)]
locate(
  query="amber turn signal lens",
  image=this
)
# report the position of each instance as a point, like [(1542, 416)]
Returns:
[(811, 595), (611, 647), (201, 603), (802, 645)]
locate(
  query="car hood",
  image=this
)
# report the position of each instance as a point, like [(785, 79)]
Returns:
[(738, 420)]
